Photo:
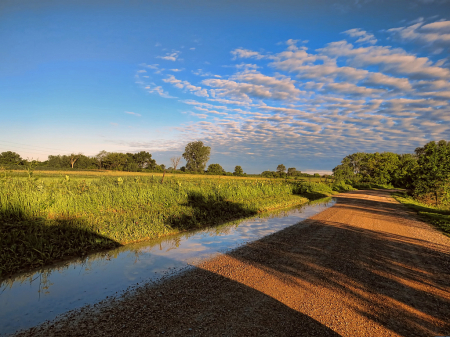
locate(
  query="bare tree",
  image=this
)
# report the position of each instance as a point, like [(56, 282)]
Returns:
[(175, 161)]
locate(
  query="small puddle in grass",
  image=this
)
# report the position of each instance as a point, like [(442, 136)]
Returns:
[(30, 299)]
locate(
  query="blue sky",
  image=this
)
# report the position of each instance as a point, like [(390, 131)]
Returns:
[(302, 83)]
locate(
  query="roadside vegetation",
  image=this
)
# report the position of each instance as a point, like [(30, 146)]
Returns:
[(424, 174), (438, 216), (51, 210), (53, 216)]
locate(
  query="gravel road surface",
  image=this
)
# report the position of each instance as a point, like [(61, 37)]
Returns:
[(364, 267)]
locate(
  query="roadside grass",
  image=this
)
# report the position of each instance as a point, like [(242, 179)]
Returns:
[(54, 217), (439, 217)]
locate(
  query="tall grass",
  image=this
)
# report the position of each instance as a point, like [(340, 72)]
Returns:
[(438, 216), (49, 218)]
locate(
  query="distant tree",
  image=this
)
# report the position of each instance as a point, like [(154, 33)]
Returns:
[(281, 169), (316, 175), (268, 174), (58, 161), (144, 160), (73, 158), (10, 158), (291, 171), (215, 169), (238, 171), (196, 156), (100, 158), (175, 161), (85, 162), (183, 169), (115, 161), (163, 167)]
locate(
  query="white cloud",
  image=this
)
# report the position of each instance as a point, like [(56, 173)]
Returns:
[(186, 86), (170, 56), (435, 35), (133, 113), (245, 53), (362, 35)]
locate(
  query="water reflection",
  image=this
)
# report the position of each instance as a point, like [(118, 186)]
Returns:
[(30, 299)]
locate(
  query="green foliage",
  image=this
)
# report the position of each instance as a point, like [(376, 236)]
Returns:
[(215, 169), (281, 169), (196, 156), (432, 175), (238, 171), (10, 158), (438, 216), (49, 218), (341, 186), (292, 171)]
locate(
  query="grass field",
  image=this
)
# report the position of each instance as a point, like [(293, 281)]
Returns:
[(439, 217), (55, 215)]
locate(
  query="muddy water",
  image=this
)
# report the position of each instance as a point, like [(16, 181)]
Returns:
[(31, 299)]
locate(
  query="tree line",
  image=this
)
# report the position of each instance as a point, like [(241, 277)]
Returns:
[(425, 173), (196, 155)]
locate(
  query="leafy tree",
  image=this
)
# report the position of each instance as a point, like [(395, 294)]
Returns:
[(73, 158), (100, 158), (58, 161), (268, 174), (196, 156), (432, 174), (281, 169), (144, 160), (215, 169), (405, 174), (183, 169), (10, 158), (291, 171), (238, 171), (115, 161)]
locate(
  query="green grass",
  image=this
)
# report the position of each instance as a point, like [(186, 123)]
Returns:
[(439, 217), (53, 217)]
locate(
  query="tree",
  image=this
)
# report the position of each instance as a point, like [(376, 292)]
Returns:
[(175, 161), (238, 171), (291, 171), (144, 160), (100, 158), (10, 158), (281, 169), (196, 156), (433, 172), (73, 158), (115, 161), (215, 169)]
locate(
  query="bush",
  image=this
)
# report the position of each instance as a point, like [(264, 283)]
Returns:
[(341, 186)]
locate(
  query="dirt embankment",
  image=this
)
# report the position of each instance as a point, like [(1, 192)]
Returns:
[(364, 267)]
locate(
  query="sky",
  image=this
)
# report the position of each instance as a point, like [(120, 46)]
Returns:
[(299, 83)]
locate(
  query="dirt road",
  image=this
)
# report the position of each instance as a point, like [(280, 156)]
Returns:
[(364, 267)]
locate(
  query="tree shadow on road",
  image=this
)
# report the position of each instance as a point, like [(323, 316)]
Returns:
[(394, 280)]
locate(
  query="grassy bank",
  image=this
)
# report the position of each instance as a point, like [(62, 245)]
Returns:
[(439, 217), (50, 218)]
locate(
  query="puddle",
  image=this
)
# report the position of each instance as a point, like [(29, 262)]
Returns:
[(31, 299)]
